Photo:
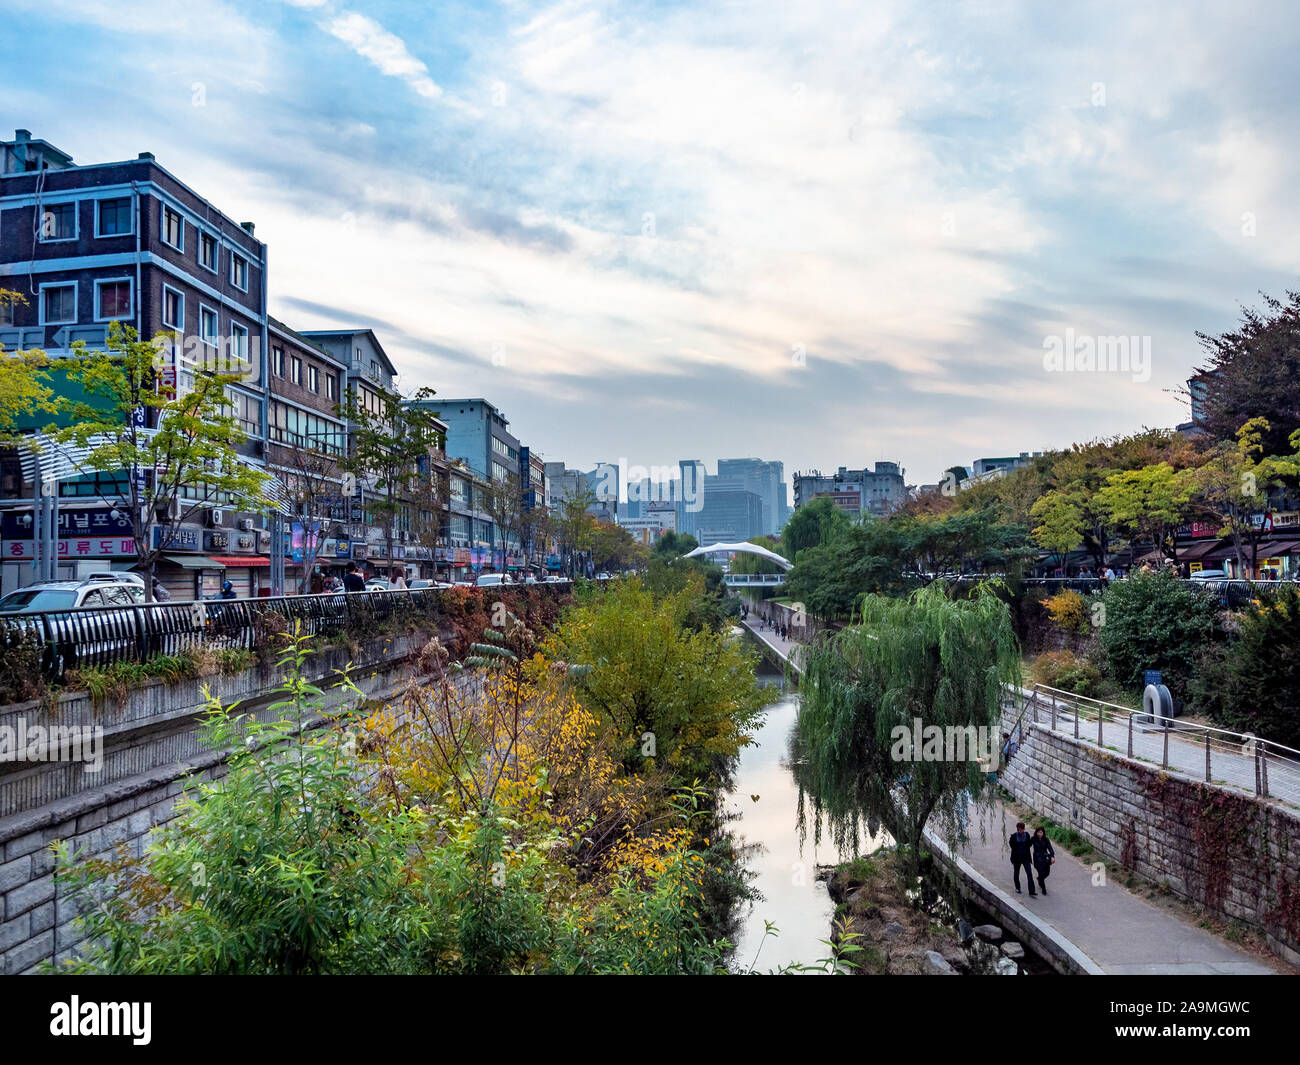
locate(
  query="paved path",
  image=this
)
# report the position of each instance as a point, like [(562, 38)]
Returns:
[(1120, 932), (1228, 765)]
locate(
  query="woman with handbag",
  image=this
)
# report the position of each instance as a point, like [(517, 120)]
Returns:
[(1044, 856)]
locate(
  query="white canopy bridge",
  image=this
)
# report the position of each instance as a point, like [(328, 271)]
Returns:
[(745, 580)]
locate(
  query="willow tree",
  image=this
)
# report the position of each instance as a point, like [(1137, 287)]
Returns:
[(892, 707)]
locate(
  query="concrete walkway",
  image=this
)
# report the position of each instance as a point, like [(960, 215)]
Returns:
[(1229, 767), (1120, 932)]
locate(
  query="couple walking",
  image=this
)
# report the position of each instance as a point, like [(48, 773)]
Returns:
[(1026, 848)]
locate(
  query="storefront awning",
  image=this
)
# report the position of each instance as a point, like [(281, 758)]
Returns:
[(1197, 551), (238, 561), (193, 561)]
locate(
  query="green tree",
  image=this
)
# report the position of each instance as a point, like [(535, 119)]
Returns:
[(1251, 372), (389, 449), (174, 450), (1234, 484), (1060, 525), (1252, 681), (1150, 503), (24, 382), (1156, 621), (684, 697), (672, 544), (812, 525), (928, 657)]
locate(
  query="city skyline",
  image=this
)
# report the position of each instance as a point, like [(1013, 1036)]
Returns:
[(513, 199)]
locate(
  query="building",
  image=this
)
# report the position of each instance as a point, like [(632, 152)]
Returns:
[(129, 242), (767, 481), (729, 513), (369, 379), (479, 435), (307, 439), (877, 491), (1005, 464)]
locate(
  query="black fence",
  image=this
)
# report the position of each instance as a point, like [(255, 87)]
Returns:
[(99, 636), (1233, 594)]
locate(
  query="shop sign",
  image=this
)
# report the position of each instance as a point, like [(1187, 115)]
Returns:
[(80, 547), (89, 521)]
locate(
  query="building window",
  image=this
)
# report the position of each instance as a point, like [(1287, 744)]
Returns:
[(239, 272), (208, 326), (239, 342), (313, 379), (59, 222), (59, 304), (112, 300), (173, 228), (208, 251), (173, 309), (332, 386), (374, 369), (277, 361), (295, 370), (114, 218)]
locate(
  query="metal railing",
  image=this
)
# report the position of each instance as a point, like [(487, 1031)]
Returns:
[(99, 636), (1219, 756)]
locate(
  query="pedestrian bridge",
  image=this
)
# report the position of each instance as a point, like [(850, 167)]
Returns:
[(742, 580), (770, 580)]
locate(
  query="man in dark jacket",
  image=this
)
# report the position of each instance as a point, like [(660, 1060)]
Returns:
[(352, 581), (1020, 855)]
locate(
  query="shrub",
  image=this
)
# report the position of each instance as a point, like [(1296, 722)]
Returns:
[(1253, 683), (1067, 671), (21, 672), (1156, 621), (1068, 611)]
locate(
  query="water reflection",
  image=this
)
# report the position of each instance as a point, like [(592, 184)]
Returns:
[(764, 805)]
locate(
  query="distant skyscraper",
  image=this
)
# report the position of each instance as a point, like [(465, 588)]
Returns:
[(690, 496), (767, 481)]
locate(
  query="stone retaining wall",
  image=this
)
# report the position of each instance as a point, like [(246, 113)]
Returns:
[(1228, 852), (151, 743)]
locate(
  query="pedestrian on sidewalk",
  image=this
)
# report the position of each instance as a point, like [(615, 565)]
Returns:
[(1044, 856), (1020, 855)]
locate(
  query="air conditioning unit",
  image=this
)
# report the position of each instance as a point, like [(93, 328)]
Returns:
[(263, 539), (216, 518), (171, 511), (246, 524)]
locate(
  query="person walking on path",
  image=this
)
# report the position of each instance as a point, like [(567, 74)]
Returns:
[(1044, 856), (1020, 850)]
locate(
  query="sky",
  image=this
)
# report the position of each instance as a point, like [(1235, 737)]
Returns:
[(825, 233)]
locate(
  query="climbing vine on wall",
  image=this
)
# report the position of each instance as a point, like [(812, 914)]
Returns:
[(1221, 824)]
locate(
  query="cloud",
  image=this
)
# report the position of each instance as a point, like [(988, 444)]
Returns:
[(385, 50)]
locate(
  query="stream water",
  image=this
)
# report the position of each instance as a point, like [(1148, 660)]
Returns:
[(764, 804)]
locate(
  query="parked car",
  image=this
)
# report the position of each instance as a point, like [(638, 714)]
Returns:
[(377, 584), (99, 589), (493, 580), (1210, 575), (420, 582)]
